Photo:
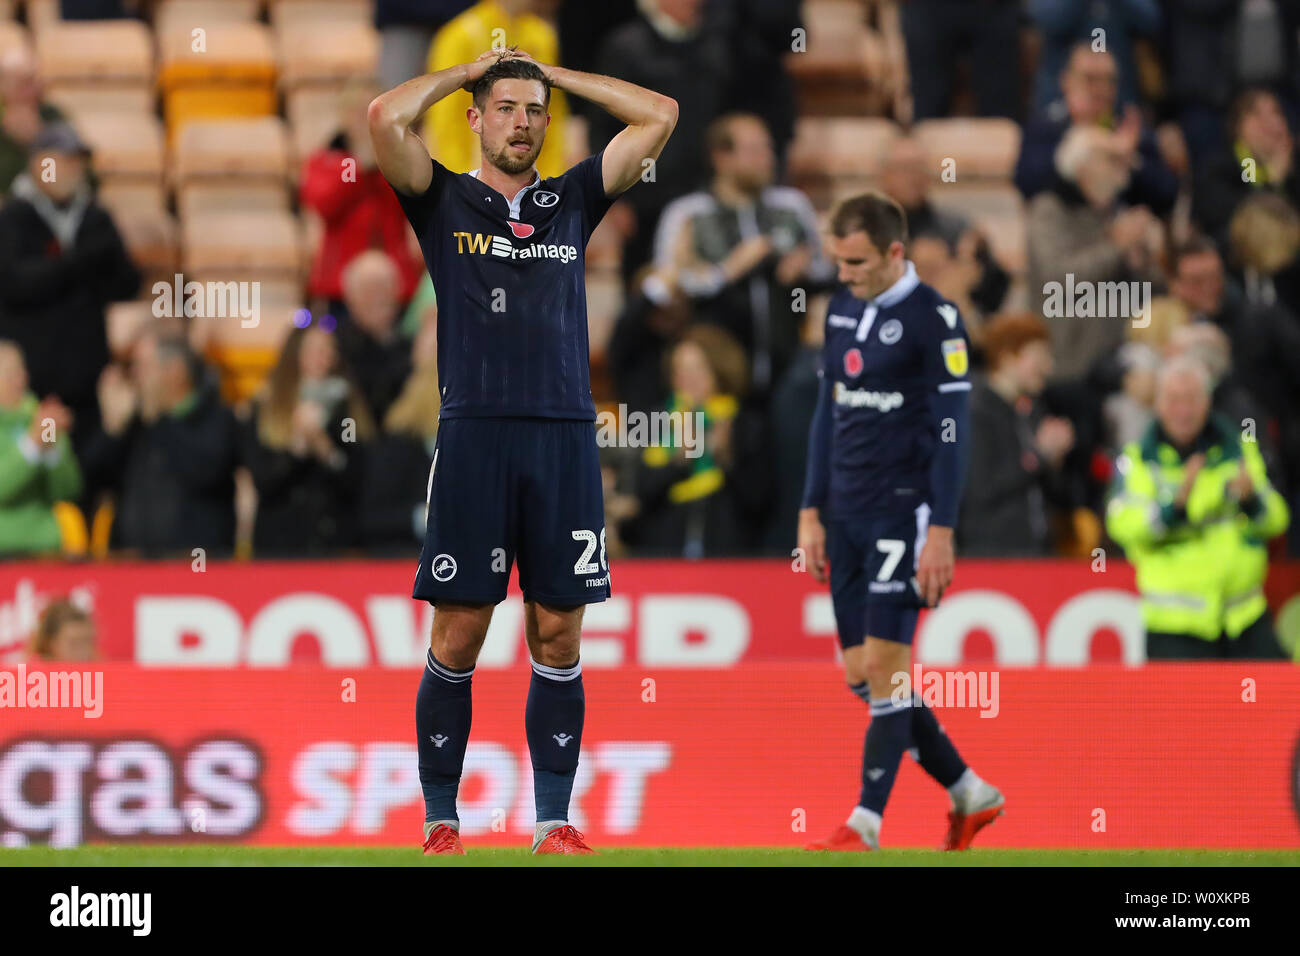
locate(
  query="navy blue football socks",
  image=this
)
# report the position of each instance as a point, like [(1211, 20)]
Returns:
[(553, 721), (935, 751), (887, 737), (442, 718)]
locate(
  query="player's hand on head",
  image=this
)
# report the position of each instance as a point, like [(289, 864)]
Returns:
[(478, 66)]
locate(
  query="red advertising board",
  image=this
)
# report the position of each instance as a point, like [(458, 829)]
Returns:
[(760, 754), (708, 614)]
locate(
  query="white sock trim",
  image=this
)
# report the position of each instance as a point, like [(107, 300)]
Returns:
[(430, 824), (558, 673)]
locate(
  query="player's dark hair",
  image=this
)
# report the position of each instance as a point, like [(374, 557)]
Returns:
[(882, 219), (511, 69)]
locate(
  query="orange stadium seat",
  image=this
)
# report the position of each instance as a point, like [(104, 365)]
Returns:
[(231, 75), (245, 356), (326, 52), (252, 149), (982, 148), (95, 52), (834, 157), (124, 144), (267, 242), (834, 71)]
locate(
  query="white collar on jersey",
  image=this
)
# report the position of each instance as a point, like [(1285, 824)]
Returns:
[(900, 290), (896, 293), (519, 196)]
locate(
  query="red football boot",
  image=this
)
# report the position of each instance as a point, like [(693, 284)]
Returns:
[(986, 806), (443, 839), (565, 840), (845, 839)]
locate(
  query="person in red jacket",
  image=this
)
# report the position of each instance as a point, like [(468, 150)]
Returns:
[(358, 209)]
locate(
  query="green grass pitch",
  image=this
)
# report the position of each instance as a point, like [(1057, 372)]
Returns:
[(208, 855)]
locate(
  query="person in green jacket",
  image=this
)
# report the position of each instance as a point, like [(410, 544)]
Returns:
[(1193, 508), (37, 466)]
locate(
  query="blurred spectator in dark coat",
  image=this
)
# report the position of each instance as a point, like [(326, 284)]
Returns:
[(743, 246), (168, 448), (358, 209), (679, 48), (406, 29), (1265, 332), (1088, 98), (302, 446), (793, 402), (375, 351), (396, 476), (61, 262), (653, 318), (1067, 23), (37, 466), (939, 33), (1260, 158), (23, 111), (1016, 484)]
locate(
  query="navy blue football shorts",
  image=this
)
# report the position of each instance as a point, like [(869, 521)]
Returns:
[(873, 575), (506, 490)]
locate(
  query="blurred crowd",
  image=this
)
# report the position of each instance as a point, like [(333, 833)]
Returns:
[(1156, 148)]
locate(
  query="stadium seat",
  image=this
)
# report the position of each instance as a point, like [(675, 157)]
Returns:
[(840, 146), (76, 99), (96, 51), (124, 144), (326, 52), (101, 530), (126, 194), (293, 14), (198, 198), (313, 113), (125, 320), (184, 16), (150, 235), (42, 14), (997, 208), (263, 241), (13, 35), (982, 148), (233, 75), (252, 149)]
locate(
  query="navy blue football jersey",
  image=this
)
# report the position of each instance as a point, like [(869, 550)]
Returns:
[(887, 361), (510, 282)]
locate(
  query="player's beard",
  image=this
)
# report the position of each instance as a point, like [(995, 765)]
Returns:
[(506, 160)]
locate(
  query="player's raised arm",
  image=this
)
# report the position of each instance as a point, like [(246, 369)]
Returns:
[(402, 156), (650, 118)]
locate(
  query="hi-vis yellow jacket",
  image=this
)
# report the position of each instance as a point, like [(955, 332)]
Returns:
[(1200, 569)]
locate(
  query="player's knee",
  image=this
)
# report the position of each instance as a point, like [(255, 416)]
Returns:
[(458, 634), (879, 668), (554, 634)]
